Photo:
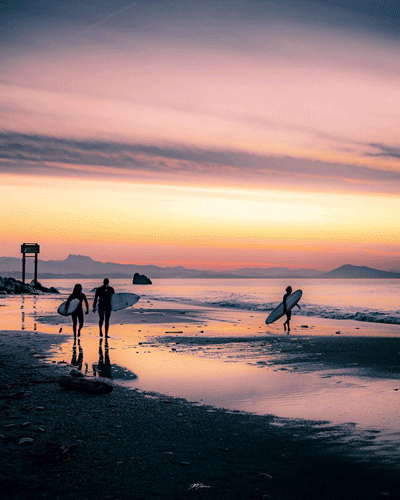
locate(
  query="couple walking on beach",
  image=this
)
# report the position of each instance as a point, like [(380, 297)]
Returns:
[(102, 297)]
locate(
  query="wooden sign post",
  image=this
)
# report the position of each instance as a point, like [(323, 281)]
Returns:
[(29, 250)]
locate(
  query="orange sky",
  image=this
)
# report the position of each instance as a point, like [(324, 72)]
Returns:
[(137, 133)]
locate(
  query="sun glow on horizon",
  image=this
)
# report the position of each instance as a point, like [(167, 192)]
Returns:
[(197, 223)]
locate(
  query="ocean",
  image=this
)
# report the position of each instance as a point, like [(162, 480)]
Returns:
[(365, 300)]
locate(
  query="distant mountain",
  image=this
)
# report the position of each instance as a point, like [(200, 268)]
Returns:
[(276, 272), (81, 266), (357, 272)]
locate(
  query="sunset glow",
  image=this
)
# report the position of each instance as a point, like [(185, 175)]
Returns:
[(216, 136)]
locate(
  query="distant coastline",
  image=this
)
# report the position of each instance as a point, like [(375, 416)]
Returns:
[(83, 267)]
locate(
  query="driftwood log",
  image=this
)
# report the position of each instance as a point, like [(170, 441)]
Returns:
[(85, 384)]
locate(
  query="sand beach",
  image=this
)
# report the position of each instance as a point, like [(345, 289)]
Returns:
[(138, 443)]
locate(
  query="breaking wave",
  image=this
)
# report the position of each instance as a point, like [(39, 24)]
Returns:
[(244, 303)]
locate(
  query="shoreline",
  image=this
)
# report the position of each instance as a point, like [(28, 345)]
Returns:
[(137, 444)]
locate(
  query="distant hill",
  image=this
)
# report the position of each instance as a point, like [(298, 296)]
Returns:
[(81, 266), (276, 272), (358, 272)]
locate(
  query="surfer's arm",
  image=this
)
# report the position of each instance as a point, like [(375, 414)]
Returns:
[(96, 295), (86, 303)]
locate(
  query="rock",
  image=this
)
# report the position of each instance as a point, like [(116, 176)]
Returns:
[(12, 286), (42, 288), (86, 385), (141, 279), (20, 287), (7, 285)]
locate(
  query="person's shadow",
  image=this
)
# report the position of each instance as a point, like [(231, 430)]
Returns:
[(103, 367), (77, 355)]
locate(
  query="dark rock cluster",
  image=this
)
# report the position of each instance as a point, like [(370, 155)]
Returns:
[(11, 286)]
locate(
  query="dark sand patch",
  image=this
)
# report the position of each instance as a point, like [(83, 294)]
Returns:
[(133, 445), (376, 357), (134, 316)]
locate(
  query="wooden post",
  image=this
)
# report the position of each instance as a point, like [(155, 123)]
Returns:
[(23, 268), (36, 264), (26, 249)]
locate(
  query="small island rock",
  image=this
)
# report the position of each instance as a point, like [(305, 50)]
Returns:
[(141, 279)]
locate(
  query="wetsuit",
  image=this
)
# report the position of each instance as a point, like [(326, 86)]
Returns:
[(77, 315), (103, 296)]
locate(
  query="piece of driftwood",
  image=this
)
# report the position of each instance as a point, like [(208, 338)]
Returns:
[(85, 384)]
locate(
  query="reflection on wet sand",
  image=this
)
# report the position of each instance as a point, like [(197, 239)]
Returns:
[(103, 367), (23, 316), (77, 361)]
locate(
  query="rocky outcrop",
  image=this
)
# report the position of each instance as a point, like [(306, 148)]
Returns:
[(42, 288), (141, 279), (11, 286)]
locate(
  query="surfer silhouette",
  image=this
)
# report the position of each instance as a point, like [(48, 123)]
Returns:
[(77, 315), (103, 296), (286, 311)]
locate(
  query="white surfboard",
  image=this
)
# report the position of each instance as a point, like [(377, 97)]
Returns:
[(291, 301), (123, 300), (71, 307)]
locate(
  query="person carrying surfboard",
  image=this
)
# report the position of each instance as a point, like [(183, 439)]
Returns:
[(287, 311), (77, 315), (103, 295)]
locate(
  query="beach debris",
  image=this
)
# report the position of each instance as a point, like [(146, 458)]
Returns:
[(85, 384), (25, 440), (56, 453), (182, 464), (76, 373), (264, 474)]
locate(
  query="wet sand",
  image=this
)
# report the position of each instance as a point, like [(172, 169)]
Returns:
[(139, 444), (339, 371)]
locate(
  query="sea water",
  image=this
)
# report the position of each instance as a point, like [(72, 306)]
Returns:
[(365, 300)]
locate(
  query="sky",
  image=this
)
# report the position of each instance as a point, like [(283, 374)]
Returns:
[(214, 135)]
